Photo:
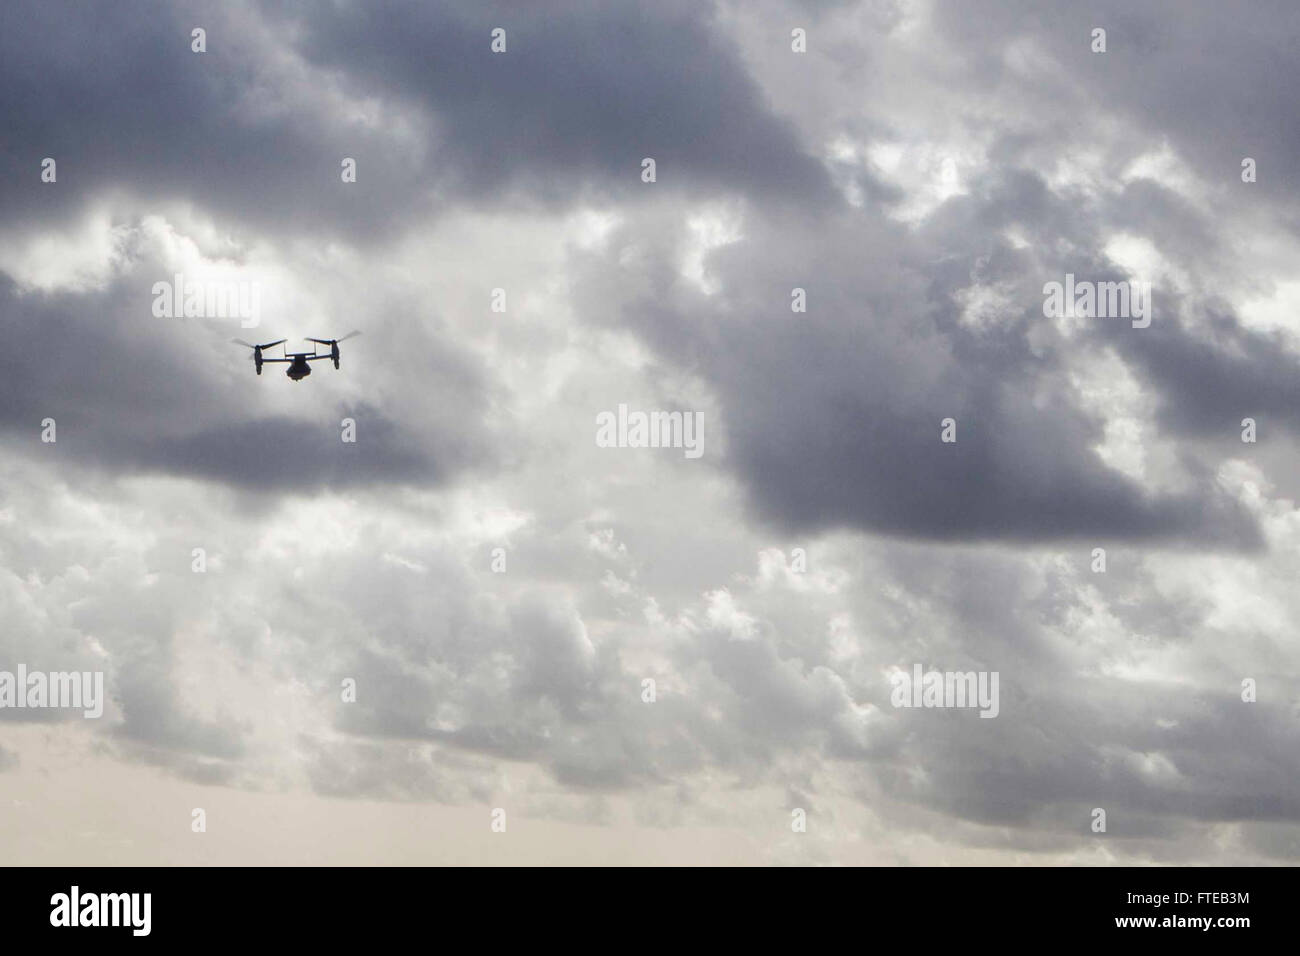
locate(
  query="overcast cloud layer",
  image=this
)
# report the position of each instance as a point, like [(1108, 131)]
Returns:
[(920, 172)]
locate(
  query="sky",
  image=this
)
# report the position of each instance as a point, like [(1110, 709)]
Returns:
[(416, 611)]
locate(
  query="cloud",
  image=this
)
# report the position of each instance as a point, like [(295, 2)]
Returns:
[(920, 173), (130, 392), (833, 417)]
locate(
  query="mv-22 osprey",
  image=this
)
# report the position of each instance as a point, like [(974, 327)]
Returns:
[(297, 361)]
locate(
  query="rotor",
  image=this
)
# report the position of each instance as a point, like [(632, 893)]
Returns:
[(334, 345), (257, 350)]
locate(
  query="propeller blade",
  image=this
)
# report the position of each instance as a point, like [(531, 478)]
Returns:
[(270, 344), (333, 341), (243, 343)]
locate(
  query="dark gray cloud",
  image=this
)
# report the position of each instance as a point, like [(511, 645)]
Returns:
[(1212, 378), (581, 96), (1172, 70), (255, 129), (833, 416), (122, 104)]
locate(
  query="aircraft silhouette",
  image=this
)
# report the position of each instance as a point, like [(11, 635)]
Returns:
[(297, 361)]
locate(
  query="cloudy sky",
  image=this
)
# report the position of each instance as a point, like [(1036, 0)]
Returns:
[(921, 171)]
